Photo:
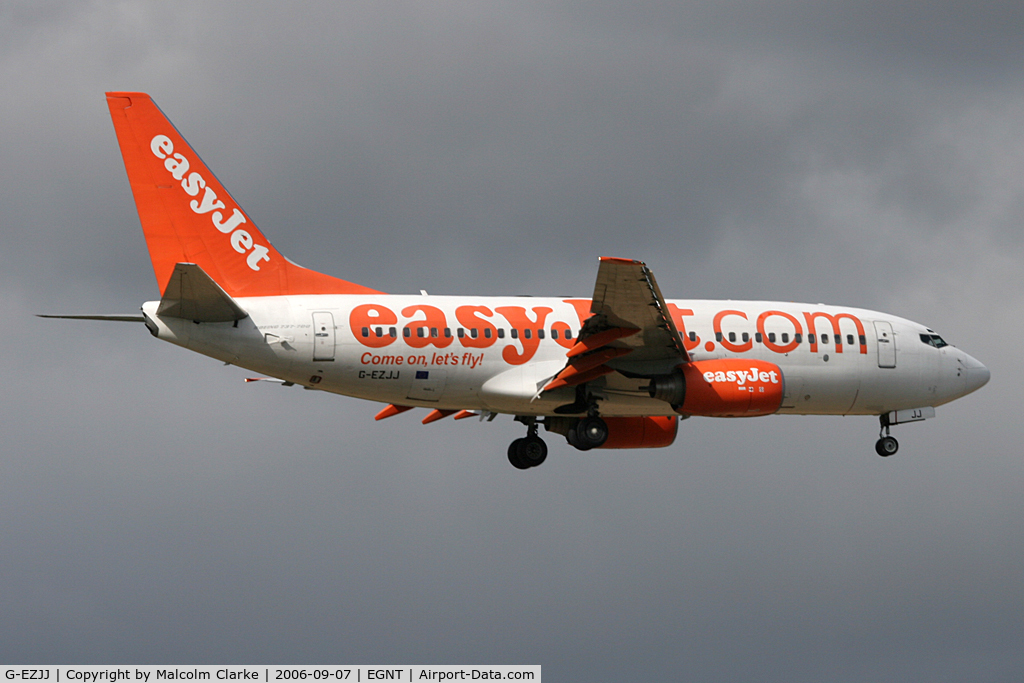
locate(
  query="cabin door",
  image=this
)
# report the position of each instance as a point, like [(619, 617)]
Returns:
[(886, 345), (323, 336)]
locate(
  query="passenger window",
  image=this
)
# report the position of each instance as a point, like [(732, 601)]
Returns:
[(771, 337), (380, 332), (554, 333), (433, 332), (540, 333), (746, 337), (810, 338), (757, 337), (421, 332), (366, 332), (527, 333), (849, 339), (501, 333), (515, 333), (732, 336), (797, 338), (693, 336), (406, 332), (392, 332), (487, 332), (461, 333), (718, 336), (568, 335), (473, 332), (863, 340), (448, 333), (824, 339)]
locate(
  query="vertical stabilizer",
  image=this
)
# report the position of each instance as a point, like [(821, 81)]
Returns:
[(189, 217)]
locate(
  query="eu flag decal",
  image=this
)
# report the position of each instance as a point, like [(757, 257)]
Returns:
[(423, 374)]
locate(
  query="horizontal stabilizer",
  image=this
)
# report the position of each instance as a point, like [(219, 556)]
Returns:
[(191, 294), (137, 318)]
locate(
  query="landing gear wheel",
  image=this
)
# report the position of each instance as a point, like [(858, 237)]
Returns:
[(592, 432), (527, 452), (532, 450), (515, 455), (887, 446), (574, 440)]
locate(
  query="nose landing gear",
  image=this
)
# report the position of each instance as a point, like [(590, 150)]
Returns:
[(886, 445)]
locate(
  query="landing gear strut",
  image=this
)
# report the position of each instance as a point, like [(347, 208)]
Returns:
[(886, 445), (530, 450)]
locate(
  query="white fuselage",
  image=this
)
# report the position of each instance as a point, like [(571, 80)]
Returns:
[(497, 353)]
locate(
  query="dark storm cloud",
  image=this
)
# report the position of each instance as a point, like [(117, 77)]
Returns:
[(157, 509)]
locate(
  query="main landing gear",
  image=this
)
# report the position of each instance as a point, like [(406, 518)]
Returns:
[(886, 445), (530, 450), (582, 433), (589, 432)]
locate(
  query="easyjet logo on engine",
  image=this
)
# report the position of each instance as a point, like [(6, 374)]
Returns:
[(194, 183), (740, 377)]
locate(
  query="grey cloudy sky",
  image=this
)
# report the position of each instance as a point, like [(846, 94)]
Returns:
[(155, 509)]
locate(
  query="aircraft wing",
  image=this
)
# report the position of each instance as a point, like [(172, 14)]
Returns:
[(629, 330)]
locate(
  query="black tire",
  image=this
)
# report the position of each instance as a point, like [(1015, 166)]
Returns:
[(532, 451), (887, 446), (592, 432), (515, 455), (574, 440)]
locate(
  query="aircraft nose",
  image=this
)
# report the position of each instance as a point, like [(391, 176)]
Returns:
[(976, 375)]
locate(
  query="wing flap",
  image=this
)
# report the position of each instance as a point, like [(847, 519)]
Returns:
[(629, 330), (626, 295)]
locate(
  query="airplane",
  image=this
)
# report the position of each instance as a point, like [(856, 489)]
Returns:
[(617, 370)]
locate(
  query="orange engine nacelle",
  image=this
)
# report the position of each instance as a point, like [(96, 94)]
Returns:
[(727, 387), (641, 432)]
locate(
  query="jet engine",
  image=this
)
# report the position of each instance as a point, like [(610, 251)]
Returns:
[(641, 432), (616, 432), (725, 387)]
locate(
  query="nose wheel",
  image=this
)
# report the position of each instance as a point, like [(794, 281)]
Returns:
[(886, 445)]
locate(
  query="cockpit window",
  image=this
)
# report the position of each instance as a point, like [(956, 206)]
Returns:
[(934, 340)]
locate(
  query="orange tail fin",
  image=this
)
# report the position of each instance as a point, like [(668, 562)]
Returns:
[(188, 216)]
